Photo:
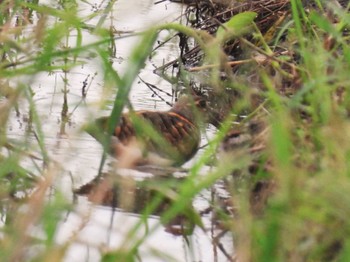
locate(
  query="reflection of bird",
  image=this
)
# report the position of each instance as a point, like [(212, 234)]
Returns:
[(152, 137)]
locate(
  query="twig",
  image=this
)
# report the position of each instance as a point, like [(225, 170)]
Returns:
[(232, 63)]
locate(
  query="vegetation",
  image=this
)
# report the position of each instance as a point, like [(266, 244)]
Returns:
[(278, 90)]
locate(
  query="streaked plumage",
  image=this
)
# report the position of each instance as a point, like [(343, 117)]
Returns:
[(157, 137)]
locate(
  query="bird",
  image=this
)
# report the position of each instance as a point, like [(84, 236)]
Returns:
[(161, 138)]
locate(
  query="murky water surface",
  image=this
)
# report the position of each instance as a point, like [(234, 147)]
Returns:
[(79, 155)]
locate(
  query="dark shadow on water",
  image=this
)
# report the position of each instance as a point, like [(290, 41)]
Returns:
[(150, 195), (153, 196)]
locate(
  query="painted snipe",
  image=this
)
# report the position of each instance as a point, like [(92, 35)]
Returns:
[(163, 138)]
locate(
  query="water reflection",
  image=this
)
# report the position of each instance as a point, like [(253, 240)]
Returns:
[(65, 101), (131, 195)]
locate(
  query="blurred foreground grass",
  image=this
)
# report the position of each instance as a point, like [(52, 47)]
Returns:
[(306, 153)]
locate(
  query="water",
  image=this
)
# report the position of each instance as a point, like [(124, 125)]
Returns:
[(91, 229)]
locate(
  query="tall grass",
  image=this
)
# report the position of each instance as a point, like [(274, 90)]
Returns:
[(35, 39), (305, 218), (306, 156)]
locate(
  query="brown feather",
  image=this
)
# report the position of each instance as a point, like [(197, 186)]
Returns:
[(178, 127)]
